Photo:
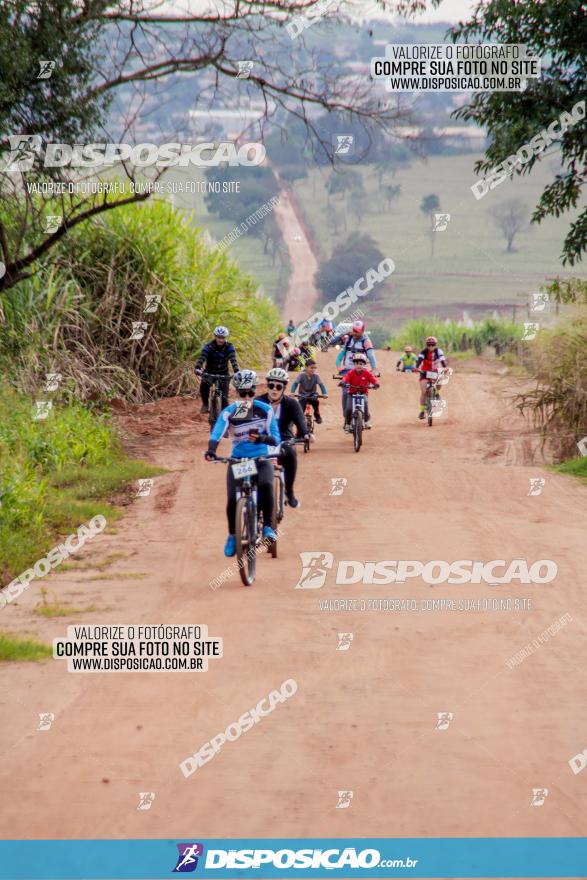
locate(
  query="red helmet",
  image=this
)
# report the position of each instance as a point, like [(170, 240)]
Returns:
[(431, 340), (296, 351), (358, 327)]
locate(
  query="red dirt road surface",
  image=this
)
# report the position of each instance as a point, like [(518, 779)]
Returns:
[(301, 291), (363, 719)]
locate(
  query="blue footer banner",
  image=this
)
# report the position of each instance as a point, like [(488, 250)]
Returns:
[(531, 857)]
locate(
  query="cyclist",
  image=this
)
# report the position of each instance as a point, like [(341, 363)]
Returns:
[(407, 362), (308, 381), (358, 380), (352, 343), (290, 327), (288, 412), (253, 429), (216, 355), (430, 358), (280, 351), (307, 352), (295, 361)]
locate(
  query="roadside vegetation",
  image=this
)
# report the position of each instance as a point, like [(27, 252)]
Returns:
[(75, 318), (454, 337), (16, 648), (140, 269), (557, 404), (55, 474)]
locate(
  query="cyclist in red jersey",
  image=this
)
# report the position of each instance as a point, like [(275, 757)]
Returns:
[(358, 380), (431, 358)]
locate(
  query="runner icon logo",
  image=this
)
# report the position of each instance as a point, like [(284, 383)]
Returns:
[(444, 719), (187, 860), (441, 222), (343, 144), (539, 795), (314, 567), (539, 301), (146, 798), (46, 719), (536, 485), (344, 641), (338, 485), (344, 800)]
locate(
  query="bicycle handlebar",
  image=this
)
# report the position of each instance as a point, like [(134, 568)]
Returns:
[(340, 375), (310, 396), (230, 460), (215, 375)]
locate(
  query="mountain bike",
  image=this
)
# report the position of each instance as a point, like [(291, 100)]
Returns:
[(249, 520), (309, 414), (216, 382), (434, 379), (359, 399)]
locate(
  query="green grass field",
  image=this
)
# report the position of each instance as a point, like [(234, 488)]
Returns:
[(470, 264)]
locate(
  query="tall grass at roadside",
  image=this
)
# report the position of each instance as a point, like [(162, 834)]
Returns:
[(76, 315), (454, 337), (558, 402)]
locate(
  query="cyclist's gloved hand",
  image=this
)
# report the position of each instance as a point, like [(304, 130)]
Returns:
[(377, 385), (199, 371), (210, 454), (256, 437)]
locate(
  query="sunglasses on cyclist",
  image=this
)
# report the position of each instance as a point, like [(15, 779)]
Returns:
[(275, 386), (246, 393)]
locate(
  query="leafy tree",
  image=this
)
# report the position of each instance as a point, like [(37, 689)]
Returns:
[(390, 193), (139, 51), (429, 206), (510, 217), (291, 173), (332, 218), (556, 32), (348, 262), (359, 204)]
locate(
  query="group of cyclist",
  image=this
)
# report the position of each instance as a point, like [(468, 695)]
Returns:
[(258, 423)]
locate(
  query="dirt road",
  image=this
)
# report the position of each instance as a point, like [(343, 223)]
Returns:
[(301, 293), (363, 719)]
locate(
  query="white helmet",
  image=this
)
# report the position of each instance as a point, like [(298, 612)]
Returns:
[(277, 375), (245, 380), (223, 332), (359, 358)]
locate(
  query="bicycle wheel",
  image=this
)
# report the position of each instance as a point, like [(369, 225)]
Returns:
[(429, 404), (275, 518), (214, 407), (358, 430), (279, 495), (246, 550)]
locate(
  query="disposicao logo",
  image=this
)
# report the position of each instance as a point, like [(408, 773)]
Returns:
[(187, 859)]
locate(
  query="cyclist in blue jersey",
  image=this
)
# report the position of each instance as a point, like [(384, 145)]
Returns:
[(253, 429)]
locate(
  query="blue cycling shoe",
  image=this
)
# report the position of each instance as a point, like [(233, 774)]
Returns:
[(269, 534), (230, 546)]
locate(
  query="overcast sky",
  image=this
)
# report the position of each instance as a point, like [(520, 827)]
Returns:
[(449, 10)]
